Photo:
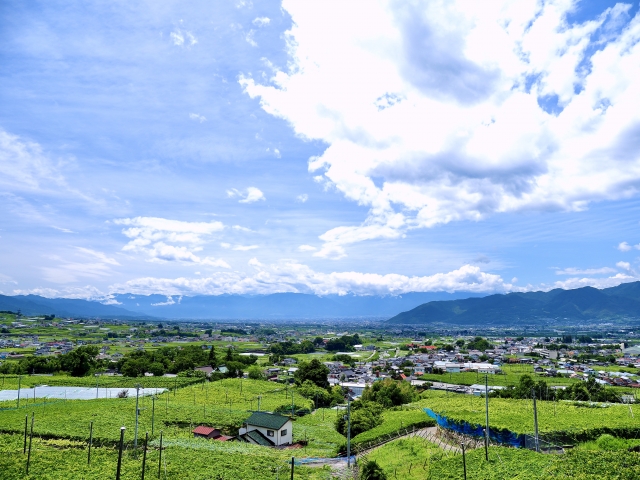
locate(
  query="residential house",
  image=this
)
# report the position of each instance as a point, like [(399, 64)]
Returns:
[(267, 429)]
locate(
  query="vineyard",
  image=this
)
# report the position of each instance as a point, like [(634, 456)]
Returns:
[(417, 459), (564, 421)]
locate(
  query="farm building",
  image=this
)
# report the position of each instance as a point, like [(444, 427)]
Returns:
[(209, 432), (268, 429)]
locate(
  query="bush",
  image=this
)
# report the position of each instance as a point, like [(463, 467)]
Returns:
[(372, 471)]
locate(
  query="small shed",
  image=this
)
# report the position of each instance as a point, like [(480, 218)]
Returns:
[(206, 432)]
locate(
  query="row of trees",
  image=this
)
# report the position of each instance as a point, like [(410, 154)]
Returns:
[(176, 360), (581, 391), (78, 362)]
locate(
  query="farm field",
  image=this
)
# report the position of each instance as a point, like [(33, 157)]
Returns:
[(224, 404), (415, 459), (181, 458), (511, 376), (567, 420)]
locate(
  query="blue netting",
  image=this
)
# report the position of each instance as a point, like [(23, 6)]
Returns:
[(503, 436)]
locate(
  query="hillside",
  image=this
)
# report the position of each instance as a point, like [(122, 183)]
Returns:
[(585, 303), (63, 307)]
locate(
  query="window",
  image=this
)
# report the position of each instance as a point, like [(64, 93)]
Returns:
[(269, 433), (283, 432)]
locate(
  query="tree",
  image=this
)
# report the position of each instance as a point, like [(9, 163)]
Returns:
[(255, 373), (389, 393), (372, 471), (318, 342), (80, 361), (364, 416), (320, 396), (314, 371), (479, 343), (229, 355), (213, 361), (157, 369), (234, 369)]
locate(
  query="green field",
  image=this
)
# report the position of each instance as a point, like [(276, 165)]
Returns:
[(416, 459), (564, 420)]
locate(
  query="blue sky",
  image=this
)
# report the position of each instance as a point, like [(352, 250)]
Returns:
[(327, 147)]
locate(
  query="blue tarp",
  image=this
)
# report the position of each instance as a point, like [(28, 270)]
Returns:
[(504, 436)]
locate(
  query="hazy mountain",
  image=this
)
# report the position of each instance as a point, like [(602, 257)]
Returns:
[(585, 303), (63, 307), (277, 305)]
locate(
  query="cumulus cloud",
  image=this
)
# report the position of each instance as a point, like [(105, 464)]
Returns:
[(156, 238), (302, 198), (198, 118), (261, 21), (295, 277), (306, 248), (250, 195), (625, 247), (435, 112)]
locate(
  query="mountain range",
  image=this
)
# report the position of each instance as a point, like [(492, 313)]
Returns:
[(279, 306), (586, 303)]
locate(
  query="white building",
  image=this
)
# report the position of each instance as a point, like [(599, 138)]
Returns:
[(267, 429)]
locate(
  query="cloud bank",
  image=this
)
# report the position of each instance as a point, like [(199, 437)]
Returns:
[(436, 111)]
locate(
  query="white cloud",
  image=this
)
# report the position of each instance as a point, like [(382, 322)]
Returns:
[(249, 38), (445, 111), (625, 247), (154, 236), (250, 195), (199, 118), (302, 198), (306, 248), (261, 21), (180, 38), (63, 230), (295, 277), (586, 271), (624, 266), (98, 255), (239, 248)]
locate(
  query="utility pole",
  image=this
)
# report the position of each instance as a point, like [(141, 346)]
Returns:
[(19, 380), (535, 420), (486, 407), (464, 460), (135, 437), (348, 430), (259, 398), (153, 412)]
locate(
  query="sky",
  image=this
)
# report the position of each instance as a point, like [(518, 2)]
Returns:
[(327, 147)]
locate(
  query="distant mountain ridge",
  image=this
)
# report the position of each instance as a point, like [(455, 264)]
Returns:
[(63, 307), (586, 303), (278, 305), (231, 307)]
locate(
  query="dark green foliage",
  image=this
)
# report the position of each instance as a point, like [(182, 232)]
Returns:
[(372, 471), (290, 348), (364, 416), (479, 343), (346, 359), (78, 363), (314, 371), (389, 393), (343, 344)]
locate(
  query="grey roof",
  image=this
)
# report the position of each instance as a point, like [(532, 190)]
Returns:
[(267, 420), (259, 438)]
